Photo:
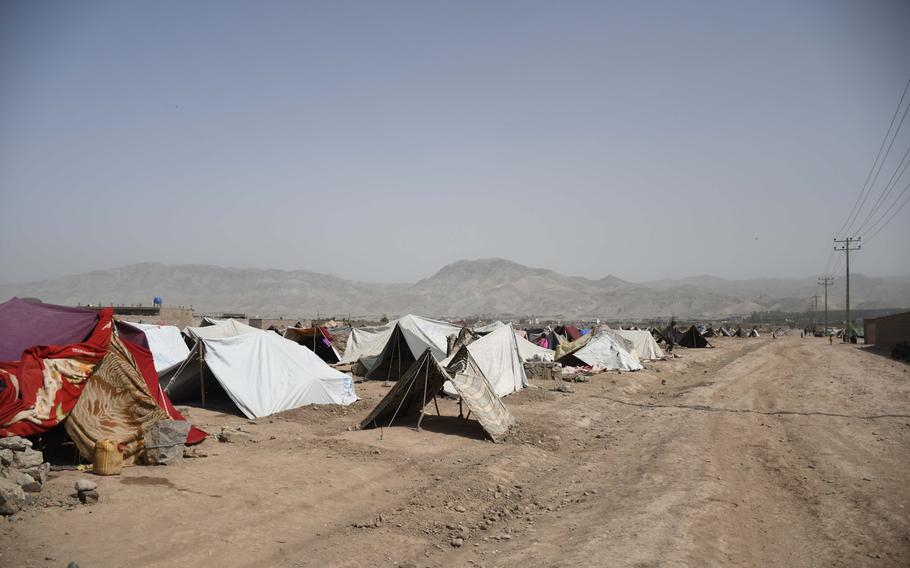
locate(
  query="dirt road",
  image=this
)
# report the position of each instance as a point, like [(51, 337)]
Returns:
[(760, 452)]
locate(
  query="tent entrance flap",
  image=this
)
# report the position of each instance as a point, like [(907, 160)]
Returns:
[(395, 360), (410, 393)]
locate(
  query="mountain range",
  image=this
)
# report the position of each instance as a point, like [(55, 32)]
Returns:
[(485, 287)]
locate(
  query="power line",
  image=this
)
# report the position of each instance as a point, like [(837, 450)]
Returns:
[(894, 214), (889, 209), (880, 165), (854, 212), (889, 187)]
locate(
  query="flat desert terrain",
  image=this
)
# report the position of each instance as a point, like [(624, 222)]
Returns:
[(759, 452)]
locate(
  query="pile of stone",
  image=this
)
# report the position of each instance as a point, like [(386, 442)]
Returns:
[(87, 491), (22, 470), (543, 370)]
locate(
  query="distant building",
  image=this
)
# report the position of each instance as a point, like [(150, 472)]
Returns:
[(887, 331), (180, 317)]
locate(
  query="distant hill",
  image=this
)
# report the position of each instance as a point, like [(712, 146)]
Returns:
[(791, 294), (487, 287)]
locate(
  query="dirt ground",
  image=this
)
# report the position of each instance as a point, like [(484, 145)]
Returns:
[(760, 452)]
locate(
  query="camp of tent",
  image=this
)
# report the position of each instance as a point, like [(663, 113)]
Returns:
[(113, 380)]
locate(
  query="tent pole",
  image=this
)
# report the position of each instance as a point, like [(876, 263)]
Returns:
[(388, 375), (460, 409), (426, 375), (201, 372), (437, 405), (398, 344)]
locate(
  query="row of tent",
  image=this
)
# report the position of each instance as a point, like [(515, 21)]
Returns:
[(477, 365), (695, 337), (57, 356)]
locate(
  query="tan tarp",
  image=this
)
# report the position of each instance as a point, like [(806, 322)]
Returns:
[(479, 395), (114, 405), (567, 347)]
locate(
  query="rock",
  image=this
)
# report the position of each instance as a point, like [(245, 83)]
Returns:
[(460, 508), (6, 456), (15, 443), (407, 565), (564, 388), (72, 565), (27, 458), (457, 542), (28, 483), (12, 497), (85, 485), (164, 442), (88, 497), (230, 436), (39, 473)]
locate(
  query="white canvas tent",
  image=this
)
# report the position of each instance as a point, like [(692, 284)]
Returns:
[(497, 356), (388, 352), (262, 372), (166, 344), (528, 350), (602, 351), (490, 327), (365, 344), (643, 343)]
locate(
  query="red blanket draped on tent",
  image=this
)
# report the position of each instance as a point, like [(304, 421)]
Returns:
[(40, 389)]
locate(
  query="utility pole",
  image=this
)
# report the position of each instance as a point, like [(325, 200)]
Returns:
[(849, 244), (826, 281), (815, 314)]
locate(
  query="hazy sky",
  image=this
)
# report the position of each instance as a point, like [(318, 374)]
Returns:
[(382, 140)]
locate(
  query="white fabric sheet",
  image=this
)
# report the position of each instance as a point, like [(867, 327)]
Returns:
[(645, 347), (602, 350), (166, 344)]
